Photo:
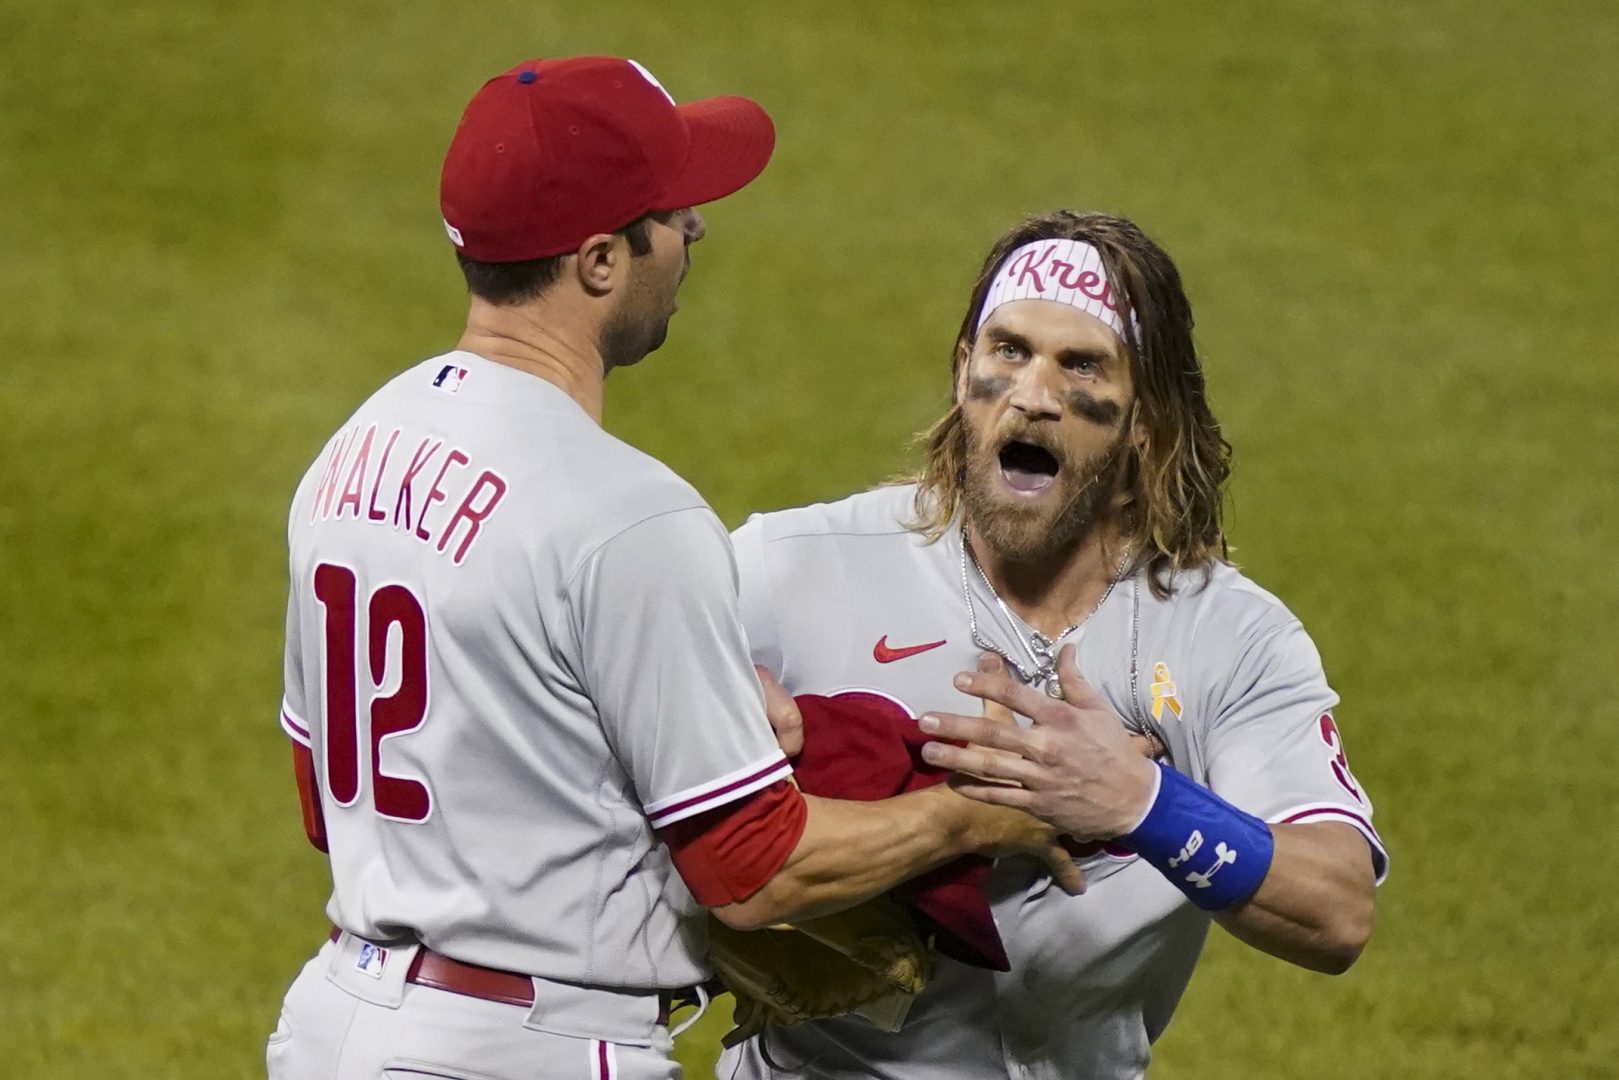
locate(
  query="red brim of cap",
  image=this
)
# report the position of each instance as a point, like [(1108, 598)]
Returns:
[(731, 142)]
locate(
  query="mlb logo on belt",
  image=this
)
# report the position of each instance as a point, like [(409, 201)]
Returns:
[(449, 378), (373, 958)]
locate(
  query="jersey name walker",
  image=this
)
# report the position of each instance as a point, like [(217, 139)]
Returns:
[(514, 650), (841, 596)]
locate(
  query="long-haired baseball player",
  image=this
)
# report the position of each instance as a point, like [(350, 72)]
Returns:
[(1064, 539), (526, 726)]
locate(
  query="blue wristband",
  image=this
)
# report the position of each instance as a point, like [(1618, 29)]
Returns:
[(1211, 851)]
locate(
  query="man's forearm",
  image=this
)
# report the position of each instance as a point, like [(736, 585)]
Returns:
[(1314, 907), (852, 851)]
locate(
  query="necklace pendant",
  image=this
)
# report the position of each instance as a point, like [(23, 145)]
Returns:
[(1054, 688)]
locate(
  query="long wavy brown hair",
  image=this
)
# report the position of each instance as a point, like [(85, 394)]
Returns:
[(1177, 462)]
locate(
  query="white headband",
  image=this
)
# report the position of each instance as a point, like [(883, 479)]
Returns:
[(1067, 271)]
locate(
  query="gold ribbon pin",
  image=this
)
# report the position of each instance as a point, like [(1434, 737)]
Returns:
[(1163, 691)]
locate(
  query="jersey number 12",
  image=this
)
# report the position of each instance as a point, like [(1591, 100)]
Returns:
[(402, 711)]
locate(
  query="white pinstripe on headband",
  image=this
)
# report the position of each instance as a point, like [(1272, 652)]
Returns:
[(1067, 271)]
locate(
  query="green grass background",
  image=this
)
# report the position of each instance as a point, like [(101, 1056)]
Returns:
[(1399, 225)]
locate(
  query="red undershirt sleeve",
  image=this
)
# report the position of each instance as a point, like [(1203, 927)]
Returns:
[(729, 853), (303, 766)]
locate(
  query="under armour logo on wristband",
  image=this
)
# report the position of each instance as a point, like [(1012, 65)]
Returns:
[(1223, 856), (1194, 844), (1186, 818)]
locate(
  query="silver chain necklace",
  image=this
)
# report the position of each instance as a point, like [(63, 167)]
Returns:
[(1041, 649)]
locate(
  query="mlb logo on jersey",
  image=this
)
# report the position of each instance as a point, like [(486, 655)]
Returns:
[(449, 378), (373, 958)]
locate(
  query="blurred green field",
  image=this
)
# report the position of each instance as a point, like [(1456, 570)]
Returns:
[(1399, 223)]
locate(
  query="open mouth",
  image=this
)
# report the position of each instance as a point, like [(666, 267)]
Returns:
[(1027, 467)]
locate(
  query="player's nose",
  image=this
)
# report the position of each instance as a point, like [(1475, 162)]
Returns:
[(695, 228), (1033, 393)]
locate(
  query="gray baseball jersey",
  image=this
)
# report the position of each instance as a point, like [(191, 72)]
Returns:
[(842, 596), (514, 649)]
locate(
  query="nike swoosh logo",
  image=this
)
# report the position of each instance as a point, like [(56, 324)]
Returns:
[(885, 655)]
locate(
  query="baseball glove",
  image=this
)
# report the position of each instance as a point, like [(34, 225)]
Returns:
[(868, 959)]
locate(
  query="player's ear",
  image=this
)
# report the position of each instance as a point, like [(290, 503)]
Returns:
[(1136, 427), (963, 355), (597, 263)]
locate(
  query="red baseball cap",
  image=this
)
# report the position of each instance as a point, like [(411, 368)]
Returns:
[(554, 151)]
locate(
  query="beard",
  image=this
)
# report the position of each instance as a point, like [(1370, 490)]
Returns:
[(629, 336), (640, 324), (1029, 532)]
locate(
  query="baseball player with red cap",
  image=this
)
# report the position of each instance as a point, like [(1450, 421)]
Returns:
[(525, 724)]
